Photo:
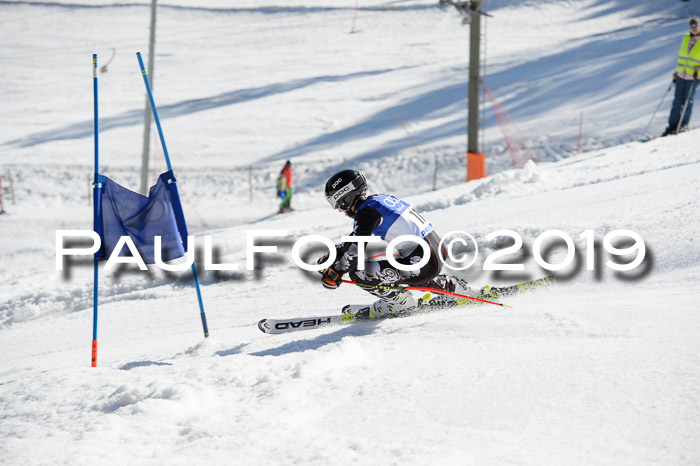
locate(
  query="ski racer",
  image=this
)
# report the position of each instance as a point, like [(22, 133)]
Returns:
[(387, 217)]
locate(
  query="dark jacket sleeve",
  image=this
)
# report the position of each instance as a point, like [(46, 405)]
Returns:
[(366, 220)]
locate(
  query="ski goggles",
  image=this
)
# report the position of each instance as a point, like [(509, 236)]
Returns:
[(340, 199)]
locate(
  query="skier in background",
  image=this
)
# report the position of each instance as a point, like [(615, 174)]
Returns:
[(387, 217), (685, 77), (284, 187)]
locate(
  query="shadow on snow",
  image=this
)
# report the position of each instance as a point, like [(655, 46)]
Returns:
[(298, 346), (135, 117)]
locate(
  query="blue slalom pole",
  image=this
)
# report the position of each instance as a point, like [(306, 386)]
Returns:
[(170, 167), (95, 208), (155, 110)]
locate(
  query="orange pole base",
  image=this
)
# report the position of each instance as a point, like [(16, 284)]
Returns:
[(476, 166), (94, 353)]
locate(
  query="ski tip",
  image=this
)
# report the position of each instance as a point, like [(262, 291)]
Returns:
[(264, 326)]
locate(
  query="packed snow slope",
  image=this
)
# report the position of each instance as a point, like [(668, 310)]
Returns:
[(602, 368)]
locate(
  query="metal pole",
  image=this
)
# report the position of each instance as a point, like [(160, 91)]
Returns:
[(580, 131), (435, 174), (474, 79), (657, 108), (250, 183), (12, 186), (147, 113)]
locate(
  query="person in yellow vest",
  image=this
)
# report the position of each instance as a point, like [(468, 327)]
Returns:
[(685, 77)]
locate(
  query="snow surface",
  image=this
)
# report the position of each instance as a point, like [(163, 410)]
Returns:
[(602, 368)]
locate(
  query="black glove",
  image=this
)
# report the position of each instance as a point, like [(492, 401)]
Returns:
[(331, 279), (321, 260)]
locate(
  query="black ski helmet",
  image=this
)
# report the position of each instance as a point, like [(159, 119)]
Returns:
[(344, 188)]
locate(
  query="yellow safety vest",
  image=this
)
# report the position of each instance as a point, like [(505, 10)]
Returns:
[(688, 61)]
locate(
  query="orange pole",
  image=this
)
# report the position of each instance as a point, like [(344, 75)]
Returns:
[(476, 166), (94, 353)]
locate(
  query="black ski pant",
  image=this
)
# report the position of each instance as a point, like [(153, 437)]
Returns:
[(385, 274)]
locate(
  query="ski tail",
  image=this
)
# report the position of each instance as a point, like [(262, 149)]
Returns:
[(302, 323)]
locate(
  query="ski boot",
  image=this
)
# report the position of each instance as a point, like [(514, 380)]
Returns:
[(447, 283), (356, 309), (493, 292), (393, 305), (669, 131)]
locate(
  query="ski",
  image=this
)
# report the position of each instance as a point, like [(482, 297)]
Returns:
[(495, 292), (303, 323), (276, 326)]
